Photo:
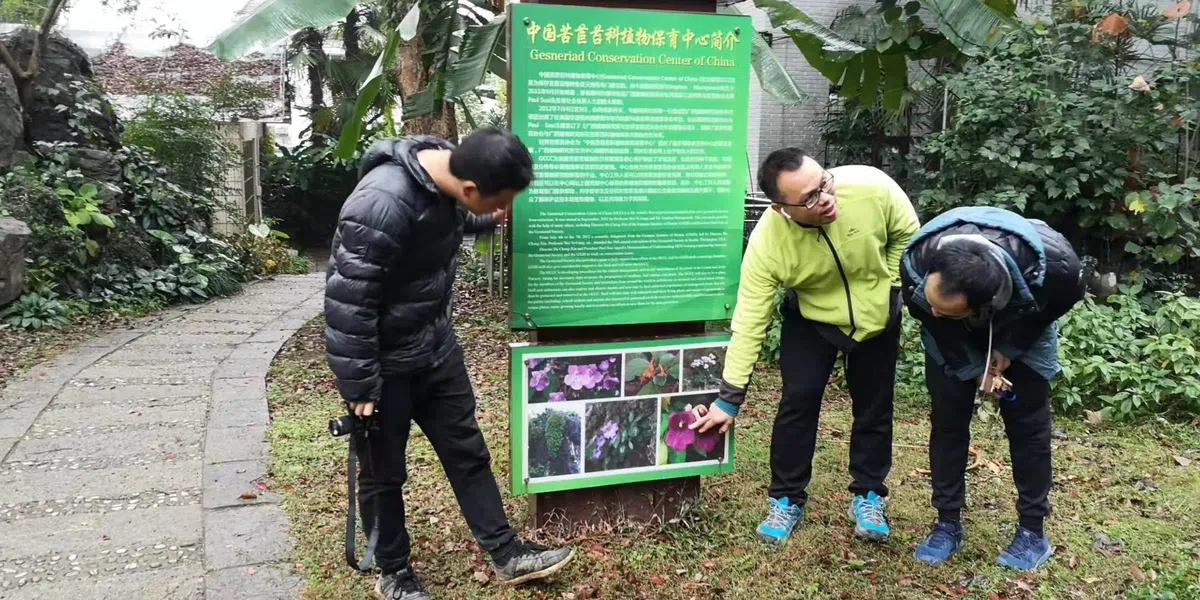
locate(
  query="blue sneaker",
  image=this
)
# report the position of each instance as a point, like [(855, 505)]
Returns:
[(870, 522), (781, 519), (1027, 552), (945, 539)]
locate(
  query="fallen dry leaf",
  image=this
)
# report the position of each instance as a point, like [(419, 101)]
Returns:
[(1073, 562), (1095, 417), (1178, 10), (1024, 585), (249, 496), (656, 580), (480, 576), (1114, 24), (1137, 573)]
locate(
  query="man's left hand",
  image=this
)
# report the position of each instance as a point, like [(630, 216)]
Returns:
[(999, 364)]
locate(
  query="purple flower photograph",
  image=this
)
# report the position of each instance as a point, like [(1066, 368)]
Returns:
[(619, 435), (565, 379), (679, 443)]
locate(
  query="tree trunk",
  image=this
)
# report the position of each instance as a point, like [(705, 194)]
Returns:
[(411, 76), (25, 87), (316, 89), (350, 34)]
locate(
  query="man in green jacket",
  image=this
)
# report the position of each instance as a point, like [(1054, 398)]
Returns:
[(833, 240)]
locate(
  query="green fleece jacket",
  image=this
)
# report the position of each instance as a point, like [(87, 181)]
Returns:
[(875, 221)]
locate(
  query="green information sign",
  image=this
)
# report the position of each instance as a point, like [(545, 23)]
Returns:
[(637, 125), (586, 415)]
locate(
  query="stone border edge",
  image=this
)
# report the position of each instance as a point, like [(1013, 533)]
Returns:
[(248, 545)]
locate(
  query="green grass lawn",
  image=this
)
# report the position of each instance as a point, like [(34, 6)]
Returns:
[(1122, 481)]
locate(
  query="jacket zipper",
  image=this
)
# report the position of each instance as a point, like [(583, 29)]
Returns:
[(845, 282)]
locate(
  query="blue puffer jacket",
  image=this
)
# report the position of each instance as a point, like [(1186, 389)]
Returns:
[(1046, 284)]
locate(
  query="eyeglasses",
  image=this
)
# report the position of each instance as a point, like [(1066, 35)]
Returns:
[(815, 197)]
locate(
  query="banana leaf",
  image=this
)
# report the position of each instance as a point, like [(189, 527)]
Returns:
[(274, 21), (973, 26), (376, 81), (474, 55), (773, 77)]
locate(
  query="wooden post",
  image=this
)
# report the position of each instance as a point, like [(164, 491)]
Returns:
[(643, 502)]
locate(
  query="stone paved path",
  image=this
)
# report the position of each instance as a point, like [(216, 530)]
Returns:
[(123, 462)]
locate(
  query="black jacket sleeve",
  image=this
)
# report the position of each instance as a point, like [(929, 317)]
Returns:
[(369, 235), (479, 223), (1062, 288)]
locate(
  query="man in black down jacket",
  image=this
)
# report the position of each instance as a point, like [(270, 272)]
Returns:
[(390, 335), (987, 286)]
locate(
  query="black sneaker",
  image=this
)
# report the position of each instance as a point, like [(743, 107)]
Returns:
[(533, 561), (401, 585)]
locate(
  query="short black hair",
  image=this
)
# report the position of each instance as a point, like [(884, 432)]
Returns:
[(967, 269), (494, 159), (784, 160)]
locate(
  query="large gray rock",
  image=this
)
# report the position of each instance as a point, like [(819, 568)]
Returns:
[(13, 234), (11, 124), (62, 61), (102, 168)]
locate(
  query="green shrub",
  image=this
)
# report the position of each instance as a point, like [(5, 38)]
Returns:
[(267, 254), (770, 347), (35, 311), (1131, 357), (303, 190), (183, 134), (1056, 125)]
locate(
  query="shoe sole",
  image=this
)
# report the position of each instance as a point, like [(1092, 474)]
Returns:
[(867, 534), (544, 573), (934, 563), (1045, 558), (772, 540)]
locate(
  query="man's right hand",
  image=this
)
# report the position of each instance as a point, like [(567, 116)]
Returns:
[(709, 417), (363, 409)]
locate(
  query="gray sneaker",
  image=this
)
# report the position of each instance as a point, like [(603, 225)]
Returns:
[(401, 585), (534, 561)]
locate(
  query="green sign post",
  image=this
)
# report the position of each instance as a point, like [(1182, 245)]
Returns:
[(637, 125)]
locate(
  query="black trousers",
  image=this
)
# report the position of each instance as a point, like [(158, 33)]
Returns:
[(1027, 421), (442, 403), (807, 359)]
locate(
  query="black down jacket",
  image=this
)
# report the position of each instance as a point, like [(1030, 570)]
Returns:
[(389, 287), (1061, 286)]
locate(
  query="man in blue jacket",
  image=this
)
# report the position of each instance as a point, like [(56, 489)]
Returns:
[(987, 286)]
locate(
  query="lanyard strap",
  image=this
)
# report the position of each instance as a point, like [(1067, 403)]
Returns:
[(368, 516)]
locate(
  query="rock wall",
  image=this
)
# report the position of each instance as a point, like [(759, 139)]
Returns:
[(62, 60), (11, 126)]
